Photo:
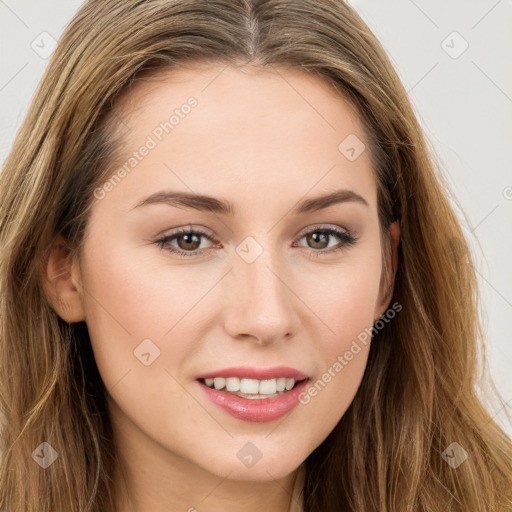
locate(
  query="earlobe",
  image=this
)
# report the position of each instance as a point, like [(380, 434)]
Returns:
[(388, 279), (61, 283)]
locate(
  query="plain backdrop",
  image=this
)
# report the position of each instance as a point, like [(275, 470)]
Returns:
[(454, 59)]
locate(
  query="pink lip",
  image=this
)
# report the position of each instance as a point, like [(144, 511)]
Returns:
[(250, 372), (257, 410)]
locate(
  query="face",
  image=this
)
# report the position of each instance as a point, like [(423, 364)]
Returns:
[(276, 280)]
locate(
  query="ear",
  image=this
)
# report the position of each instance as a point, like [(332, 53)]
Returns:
[(62, 284), (387, 282)]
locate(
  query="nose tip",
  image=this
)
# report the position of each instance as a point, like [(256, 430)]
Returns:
[(260, 305)]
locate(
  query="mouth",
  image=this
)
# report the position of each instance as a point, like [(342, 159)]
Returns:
[(253, 389), (253, 400)]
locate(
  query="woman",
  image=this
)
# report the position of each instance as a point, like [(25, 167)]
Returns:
[(231, 277)]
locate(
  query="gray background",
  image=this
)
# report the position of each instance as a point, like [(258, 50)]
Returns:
[(463, 98)]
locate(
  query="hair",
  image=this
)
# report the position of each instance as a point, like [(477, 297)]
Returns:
[(419, 390)]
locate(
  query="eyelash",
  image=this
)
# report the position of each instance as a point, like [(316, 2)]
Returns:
[(345, 237)]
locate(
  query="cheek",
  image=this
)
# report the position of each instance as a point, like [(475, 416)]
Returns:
[(346, 308), (138, 328), (127, 290), (131, 298), (348, 300), (124, 305)]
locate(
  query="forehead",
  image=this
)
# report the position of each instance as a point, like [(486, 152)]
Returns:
[(245, 91), (263, 127)]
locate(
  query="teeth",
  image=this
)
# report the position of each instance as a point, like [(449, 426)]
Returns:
[(232, 384), (267, 387), (251, 386), (219, 382)]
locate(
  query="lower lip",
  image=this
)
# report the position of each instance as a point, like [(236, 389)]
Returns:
[(259, 409)]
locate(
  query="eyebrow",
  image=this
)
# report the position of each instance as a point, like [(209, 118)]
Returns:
[(223, 207)]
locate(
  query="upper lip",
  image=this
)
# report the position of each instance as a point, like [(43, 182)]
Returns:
[(252, 372)]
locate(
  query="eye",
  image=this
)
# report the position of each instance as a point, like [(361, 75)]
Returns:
[(189, 241), (318, 240)]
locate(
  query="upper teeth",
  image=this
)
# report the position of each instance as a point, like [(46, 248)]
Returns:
[(251, 386)]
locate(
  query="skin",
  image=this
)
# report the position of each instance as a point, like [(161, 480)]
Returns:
[(264, 145)]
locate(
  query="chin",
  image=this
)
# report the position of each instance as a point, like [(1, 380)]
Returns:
[(261, 468)]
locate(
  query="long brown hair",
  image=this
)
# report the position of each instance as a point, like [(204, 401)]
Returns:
[(418, 394)]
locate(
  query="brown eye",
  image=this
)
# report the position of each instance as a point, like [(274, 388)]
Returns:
[(318, 240), (189, 242), (184, 242)]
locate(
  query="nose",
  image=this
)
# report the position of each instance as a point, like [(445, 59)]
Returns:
[(261, 305)]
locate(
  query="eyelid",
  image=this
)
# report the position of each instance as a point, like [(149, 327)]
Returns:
[(320, 227), (346, 237), (165, 240), (188, 228)]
